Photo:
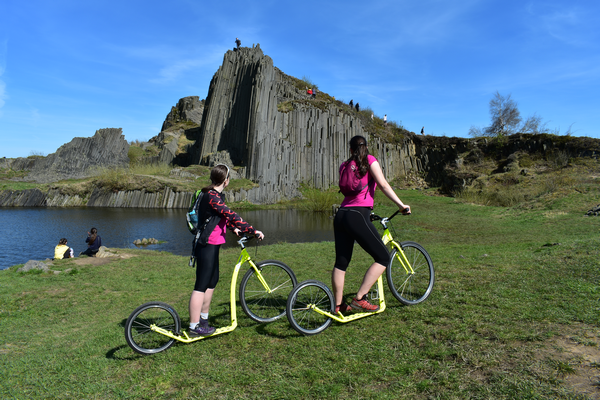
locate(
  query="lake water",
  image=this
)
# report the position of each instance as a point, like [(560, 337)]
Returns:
[(32, 233)]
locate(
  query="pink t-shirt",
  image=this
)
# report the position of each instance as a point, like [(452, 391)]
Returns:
[(366, 197)]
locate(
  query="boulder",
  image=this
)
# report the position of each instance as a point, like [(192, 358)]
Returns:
[(104, 252), (33, 264)]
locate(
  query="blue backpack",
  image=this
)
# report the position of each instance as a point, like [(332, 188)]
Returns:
[(193, 211)]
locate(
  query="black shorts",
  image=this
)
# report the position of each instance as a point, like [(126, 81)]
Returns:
[(353, 224), (207, 267)]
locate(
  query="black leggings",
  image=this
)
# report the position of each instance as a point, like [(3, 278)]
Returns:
[(353, 224), (207, 267)]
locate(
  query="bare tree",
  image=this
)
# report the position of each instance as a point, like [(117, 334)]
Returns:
[(505, 116), (506, 120), (534, 124)]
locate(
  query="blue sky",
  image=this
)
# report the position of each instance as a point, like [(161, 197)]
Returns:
[(68, 68)]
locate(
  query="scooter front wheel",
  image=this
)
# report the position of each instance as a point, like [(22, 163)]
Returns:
[(302, 303), (138, 333)]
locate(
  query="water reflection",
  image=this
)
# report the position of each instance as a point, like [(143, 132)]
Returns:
[(32, 233)]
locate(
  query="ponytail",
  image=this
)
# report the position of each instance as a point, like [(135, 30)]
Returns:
[(358, 147)]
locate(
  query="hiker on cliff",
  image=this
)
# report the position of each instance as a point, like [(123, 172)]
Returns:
[(352, 223), (94, 241), (357, 107), (62, 250), (207, 253), (385, 120), (314, 93), (351, 103), (422, 130), (309, 92), (238, 43)]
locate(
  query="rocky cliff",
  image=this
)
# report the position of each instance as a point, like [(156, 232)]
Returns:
[(279, 149), (259, 120), (187, 109), (256, 117), (77, 159)]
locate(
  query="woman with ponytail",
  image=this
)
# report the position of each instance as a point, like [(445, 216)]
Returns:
[(212, 207), (352, 223), (94, 241)]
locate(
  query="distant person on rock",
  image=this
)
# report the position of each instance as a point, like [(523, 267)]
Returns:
[(422, 130), (238, 43), (351, 103), (94, 241), (385, 120), (62, 250), (309, 92), (206, 249), (357, 107), (314, 93)]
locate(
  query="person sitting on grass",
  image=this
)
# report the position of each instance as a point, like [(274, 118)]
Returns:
[(94, 242), (62, 250)]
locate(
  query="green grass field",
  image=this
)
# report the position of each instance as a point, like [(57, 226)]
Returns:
[(514, 314)]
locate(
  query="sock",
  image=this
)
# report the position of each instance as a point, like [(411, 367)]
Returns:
[(193, 325), (203, 315)]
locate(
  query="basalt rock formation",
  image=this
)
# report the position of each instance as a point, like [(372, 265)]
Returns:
[(261, 121), (281, 138), (280, 149), (188, 108), (178, 130), (77, 159)]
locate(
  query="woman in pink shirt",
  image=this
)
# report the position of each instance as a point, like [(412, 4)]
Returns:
[(352, 223), (212, 207)]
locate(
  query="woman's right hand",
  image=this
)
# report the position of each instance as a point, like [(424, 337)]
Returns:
[(406, 210)]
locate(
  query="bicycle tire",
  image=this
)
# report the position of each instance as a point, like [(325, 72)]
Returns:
[(141, 338), (259, 304), (299, 313), (411, 289)]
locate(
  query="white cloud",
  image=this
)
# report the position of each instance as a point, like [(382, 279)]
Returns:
[(173, 71), (172, 62), (571, 25)]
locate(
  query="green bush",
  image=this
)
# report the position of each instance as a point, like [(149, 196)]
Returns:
[(114, 179), (317, 200)]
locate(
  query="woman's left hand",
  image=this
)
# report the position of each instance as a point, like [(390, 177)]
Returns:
[(259, 235), (237, 231)]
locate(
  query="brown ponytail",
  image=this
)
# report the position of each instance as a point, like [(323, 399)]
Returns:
[(93, 235), (358, 147)]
